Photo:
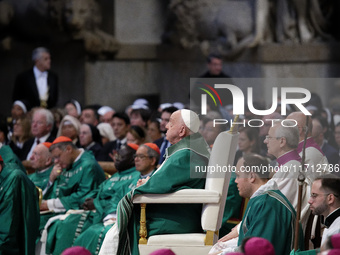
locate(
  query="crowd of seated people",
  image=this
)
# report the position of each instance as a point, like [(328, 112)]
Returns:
[(67, 170)]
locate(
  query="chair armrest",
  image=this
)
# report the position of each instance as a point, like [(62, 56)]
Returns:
[(184, 196), (108, 167)]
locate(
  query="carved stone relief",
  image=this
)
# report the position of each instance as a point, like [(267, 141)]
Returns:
[(57, 20), (229, 26)]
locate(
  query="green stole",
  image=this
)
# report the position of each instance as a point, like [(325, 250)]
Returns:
[(41, 179)]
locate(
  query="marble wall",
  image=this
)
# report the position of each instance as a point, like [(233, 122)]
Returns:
[(143, 67), (166, 77)]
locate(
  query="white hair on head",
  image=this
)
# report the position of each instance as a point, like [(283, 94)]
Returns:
[(289, 131), (36, 54), (190, 119)]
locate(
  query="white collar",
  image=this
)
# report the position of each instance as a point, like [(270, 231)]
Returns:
[(81, 153), (38, 73), (123, 141), (42, 139), (265, 187), (90, 145)]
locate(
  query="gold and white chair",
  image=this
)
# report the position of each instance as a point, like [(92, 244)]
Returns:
[(213, 198)]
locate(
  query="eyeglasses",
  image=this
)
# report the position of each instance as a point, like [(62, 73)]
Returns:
[(140, 156), (272, 137), (57, 157), (315, 195)]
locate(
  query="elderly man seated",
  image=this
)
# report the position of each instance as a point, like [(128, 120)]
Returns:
[(42, 163), (282, 142), (75, 174), (88, 227), (188, 150)]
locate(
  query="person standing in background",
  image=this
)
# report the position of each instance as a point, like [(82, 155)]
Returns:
[(38, 85)]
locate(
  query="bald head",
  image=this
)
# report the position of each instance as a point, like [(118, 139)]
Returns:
[(182, 123), (41, 157), (301, 120)]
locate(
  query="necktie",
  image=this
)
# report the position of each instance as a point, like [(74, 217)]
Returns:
[(38, 141), (118, 145)]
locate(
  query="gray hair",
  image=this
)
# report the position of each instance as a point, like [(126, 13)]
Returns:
[(151, 153), (48, 115), (36, 54), (288, 131)]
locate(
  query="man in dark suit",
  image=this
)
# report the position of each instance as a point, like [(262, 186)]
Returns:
[(41, 127), (213, 75), (38, 85), (214, 65), (120, 124), (162, 143)]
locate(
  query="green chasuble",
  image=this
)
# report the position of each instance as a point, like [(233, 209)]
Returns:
[(74, 184), (40, 178), (9, 157), (270, 215), (310, 252), (173, 174), (87, 229), (232, 209), (19, 212)]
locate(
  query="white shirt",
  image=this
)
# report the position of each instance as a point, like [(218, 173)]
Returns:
[(41, 140), (41, 81), (333, 229)]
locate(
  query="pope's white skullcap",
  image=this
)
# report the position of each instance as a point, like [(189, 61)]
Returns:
[(190, 119)]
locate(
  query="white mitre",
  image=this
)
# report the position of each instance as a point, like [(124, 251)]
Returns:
[(190, 119)]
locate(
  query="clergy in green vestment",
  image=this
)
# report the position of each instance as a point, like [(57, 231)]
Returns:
[(146, 159), (187, 151), (19, 211), (9, 157), (269, 214), (42, 163), (75, 174), (88, 228)]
